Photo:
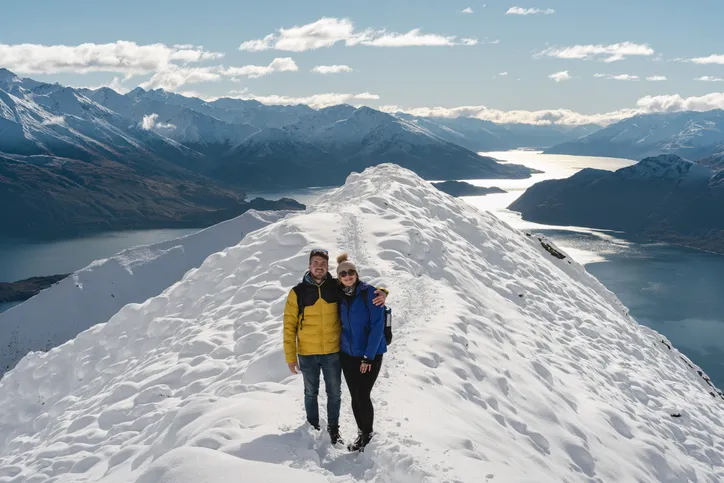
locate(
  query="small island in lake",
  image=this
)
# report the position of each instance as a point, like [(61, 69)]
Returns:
[(24, 289), (461, 188)]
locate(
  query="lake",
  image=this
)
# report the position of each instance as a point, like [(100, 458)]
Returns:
[(674, 290), (21, 259), (671, 289)]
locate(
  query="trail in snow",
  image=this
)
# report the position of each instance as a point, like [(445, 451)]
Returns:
[(508, 364)]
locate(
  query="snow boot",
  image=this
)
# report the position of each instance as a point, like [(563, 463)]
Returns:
[(359, 444), (334, 435)]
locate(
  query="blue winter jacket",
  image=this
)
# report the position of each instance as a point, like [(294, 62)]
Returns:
[(363, 330)]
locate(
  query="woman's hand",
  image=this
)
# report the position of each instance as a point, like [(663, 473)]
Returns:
[(381, 297), (365, 366)]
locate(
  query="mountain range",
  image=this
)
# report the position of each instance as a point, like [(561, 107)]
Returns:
[(74, 160), (77, 160), (663, 198), (689, 135)]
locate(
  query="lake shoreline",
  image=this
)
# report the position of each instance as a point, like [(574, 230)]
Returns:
[(23, 290), (198, 222)]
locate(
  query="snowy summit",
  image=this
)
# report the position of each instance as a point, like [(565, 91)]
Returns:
[(508, 364)]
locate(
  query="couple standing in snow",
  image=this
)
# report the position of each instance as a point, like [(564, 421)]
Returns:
[(334, 325)]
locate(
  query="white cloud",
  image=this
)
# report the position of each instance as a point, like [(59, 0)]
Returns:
[(623, 77), (173, 76), (608, 53), (645, 105), (502, 74), (366, 96), (560, 76), (280, 64), (120, 56), (149, 123), (331, 69), (410, 39), (529, 11), (707, 78), (542, 117), (656, 78), (468, 10), (327, 31), (676, 103), (712, 59), (315, 100)]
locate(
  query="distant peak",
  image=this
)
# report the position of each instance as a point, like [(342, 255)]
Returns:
[(366, 111), (138, 91), (7, 76), (665, 160)]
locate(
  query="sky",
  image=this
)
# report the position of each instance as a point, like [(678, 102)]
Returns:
[(539, 61)]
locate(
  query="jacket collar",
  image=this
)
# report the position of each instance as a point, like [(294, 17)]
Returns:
[(308, 278)]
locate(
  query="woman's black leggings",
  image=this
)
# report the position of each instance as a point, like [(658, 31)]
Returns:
[(360, 388)]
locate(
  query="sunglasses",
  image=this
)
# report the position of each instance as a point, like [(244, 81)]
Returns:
[(347, 272)]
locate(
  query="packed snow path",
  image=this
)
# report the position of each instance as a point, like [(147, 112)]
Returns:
[(508, 365)]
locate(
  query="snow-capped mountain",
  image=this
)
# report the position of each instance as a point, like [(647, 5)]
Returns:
[(480, 135), (223, 138), (690, 135), (182, 124), (365, 136), (273, 144), (507, 364), (53, 120), (69, 165), (663, 198), (80, 159)]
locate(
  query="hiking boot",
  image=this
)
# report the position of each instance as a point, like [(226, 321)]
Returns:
[(359, 444), (314, 425), (334, 435)]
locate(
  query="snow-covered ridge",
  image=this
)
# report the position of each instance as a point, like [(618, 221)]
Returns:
[(509, 364), (666, 167), (95, 293), (691, 135)]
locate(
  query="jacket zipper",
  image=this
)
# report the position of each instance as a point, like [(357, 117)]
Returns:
[(349, 323), (321, 327)]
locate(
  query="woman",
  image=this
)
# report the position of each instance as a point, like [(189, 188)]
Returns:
[(362, 345)]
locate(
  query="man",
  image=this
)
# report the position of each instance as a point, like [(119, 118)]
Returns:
[(312, 331)]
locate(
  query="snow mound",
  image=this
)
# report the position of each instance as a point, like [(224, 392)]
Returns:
[(95, 293), (508, 364)]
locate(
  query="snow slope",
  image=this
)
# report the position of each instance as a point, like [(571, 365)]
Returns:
[(508, 365), (93, 294)]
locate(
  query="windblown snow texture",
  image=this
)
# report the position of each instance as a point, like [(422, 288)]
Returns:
[(509, 364), (93, 294)]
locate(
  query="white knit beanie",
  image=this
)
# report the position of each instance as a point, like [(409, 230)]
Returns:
[(345, 264)]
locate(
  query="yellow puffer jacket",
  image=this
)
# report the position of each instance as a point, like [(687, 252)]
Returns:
[(319, 329)]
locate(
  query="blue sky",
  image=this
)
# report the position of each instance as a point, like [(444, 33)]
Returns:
[(568, 61)]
